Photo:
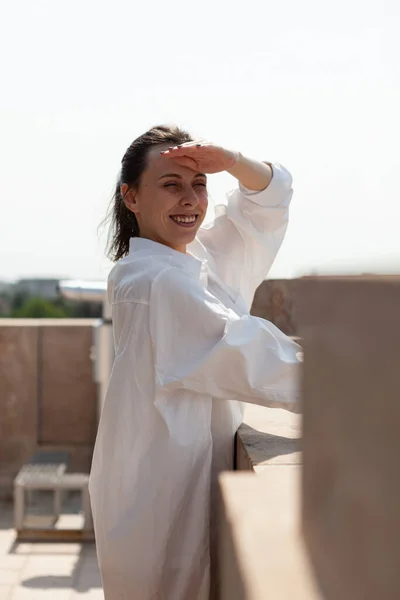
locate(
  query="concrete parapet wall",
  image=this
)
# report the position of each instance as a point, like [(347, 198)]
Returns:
[(257, 545), (275, 301), (335, 535), (47, 395), (262, 552), (351, 396), (267, 437), (18, 391)]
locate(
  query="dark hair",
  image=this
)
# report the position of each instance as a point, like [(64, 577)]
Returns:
[(123, 222)]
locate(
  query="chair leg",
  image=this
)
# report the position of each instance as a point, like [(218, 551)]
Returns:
[(57, 502), (19, 507), (29, 497)]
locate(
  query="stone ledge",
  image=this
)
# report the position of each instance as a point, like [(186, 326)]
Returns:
[(64, 322), (262, 552), (268, 437)]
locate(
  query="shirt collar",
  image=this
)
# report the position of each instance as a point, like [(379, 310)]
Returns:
[(150, 248)]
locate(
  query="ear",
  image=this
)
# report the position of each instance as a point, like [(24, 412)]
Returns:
[(129, 197)]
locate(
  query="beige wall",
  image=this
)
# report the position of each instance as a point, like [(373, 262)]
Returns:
[(328, 528), (47, 395), (68, 394), (274, 300), (351, 434), (18, 388)]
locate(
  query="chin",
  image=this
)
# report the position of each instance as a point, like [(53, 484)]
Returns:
[(185, 239)]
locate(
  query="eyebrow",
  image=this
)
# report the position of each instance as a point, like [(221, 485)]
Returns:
[(180, 176)]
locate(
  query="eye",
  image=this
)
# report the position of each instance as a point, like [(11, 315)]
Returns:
[(202, 183), (171, 184)]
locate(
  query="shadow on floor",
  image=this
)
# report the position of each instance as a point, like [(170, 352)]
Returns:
[(48, 559), (265, 446), (84, 576)]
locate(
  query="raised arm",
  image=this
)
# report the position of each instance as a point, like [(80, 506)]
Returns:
[(247, 233), (201, 346), (251, 174)]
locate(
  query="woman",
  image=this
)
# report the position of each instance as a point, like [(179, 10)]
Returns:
[(187, 354)]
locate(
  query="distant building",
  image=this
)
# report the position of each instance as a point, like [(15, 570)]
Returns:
[(45, 288), (6, 293), (6, 287)]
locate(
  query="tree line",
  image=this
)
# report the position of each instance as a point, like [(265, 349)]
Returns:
[(22, 305)]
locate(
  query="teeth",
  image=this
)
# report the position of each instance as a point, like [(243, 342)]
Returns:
[(184, 219)]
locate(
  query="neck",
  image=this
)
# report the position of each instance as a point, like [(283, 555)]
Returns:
[(182, 248)]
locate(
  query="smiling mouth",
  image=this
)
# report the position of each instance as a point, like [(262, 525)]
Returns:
[(185, 220)]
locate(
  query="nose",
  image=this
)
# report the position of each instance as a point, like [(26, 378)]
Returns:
[(189, 198)]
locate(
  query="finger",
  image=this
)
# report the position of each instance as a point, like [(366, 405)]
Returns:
[(184, 150), (203, 144), (185, 161), (192, 143), (178, 149)]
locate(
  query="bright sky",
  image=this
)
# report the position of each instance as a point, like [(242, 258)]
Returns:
[(314, 85)]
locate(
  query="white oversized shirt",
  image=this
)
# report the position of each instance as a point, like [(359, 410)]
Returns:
[(187, 354)]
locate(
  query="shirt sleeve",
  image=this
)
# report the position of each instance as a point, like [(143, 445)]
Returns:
[(201, 346), (247, 233)]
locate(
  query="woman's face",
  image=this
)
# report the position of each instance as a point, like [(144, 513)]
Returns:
[(170, 203)]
